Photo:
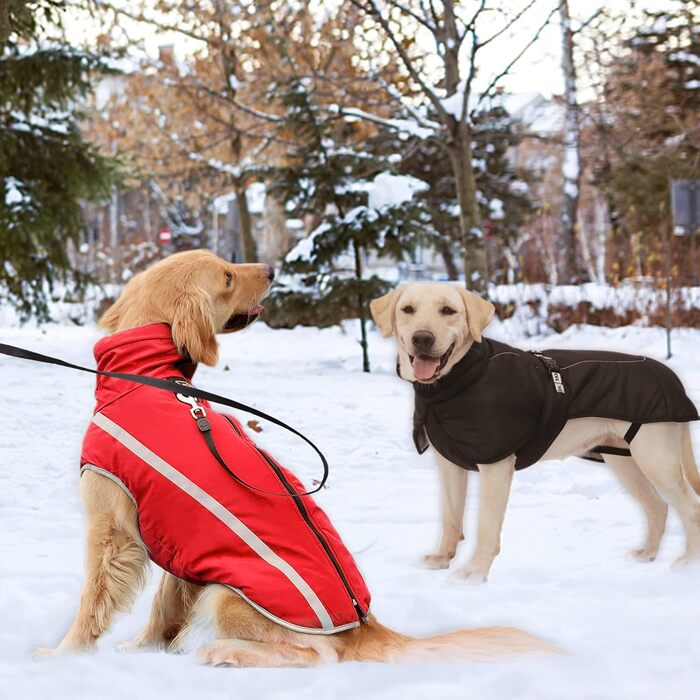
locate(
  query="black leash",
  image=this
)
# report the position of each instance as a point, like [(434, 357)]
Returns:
[(185, 390)]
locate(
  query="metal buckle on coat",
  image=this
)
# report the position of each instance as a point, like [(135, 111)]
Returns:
[(553, 368)]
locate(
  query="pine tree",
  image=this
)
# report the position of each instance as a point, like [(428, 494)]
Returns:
[(502, 191), (346, 191), (46, 165)]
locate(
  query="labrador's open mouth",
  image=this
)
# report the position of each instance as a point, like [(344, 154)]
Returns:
[(238, 322), (426, 367)]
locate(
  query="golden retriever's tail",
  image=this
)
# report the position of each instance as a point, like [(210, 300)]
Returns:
[(374, 642), (690, 467)]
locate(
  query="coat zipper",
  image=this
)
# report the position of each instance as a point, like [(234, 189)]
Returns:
[(305, 515)]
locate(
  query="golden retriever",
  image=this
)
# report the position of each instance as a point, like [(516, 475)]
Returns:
[(661, 471), (200, 295)]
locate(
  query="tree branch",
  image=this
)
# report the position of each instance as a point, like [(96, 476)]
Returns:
[(520, 54), (508, 24), (407, 11), (374, 11), (140, 17)]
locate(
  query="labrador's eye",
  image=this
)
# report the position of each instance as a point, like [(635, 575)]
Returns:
[(408, 309), (229, 279), (447, 311)]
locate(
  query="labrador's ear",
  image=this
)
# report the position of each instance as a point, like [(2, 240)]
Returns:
[(479, 313), (192, 323), (383, 312)]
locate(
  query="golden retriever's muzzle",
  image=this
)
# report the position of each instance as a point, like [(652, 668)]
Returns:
[(237, 322)]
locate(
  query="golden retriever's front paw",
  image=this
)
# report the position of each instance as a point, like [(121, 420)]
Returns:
[(43, 652), (436, 561), (133, 647)]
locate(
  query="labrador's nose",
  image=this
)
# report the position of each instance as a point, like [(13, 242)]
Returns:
[(270, 273), (423, 340)]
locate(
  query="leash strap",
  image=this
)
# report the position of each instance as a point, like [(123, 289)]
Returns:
[(185, 390)]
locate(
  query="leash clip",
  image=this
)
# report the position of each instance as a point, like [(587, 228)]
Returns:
[(196, 411)]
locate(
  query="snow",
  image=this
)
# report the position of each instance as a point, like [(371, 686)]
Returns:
[(303, 250), (393, 190), (631, 629), (685, 57), (13, 195), (385, 190), (496, 209)]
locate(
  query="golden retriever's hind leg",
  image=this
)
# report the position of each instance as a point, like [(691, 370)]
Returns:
[(172, 605), (245, 653), (654, 507)]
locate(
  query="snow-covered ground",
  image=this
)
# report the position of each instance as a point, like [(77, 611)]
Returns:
[(633, 629)]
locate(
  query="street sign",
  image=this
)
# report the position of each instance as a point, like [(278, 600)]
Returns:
[(165, 235), (685, 206)]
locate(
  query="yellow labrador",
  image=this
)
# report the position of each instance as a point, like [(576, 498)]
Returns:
[(435, 325)]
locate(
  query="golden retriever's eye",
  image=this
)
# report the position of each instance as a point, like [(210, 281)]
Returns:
[(447, 311), (408, 309), (229, 279)]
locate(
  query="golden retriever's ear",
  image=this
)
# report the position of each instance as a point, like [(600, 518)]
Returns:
[(193, 326), (383, 312), (479, 313)]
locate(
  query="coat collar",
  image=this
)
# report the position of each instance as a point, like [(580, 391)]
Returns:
[(147, 350)]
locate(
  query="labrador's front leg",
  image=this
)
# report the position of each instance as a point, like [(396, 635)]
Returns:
[(494, 487), (453, 493)]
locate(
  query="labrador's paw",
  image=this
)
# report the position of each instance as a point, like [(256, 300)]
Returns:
[(436, 561), (688, 562), (474, 576), (643, 555)]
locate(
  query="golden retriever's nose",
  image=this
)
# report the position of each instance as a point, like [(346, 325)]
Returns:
[(270, 273), (423, 341)]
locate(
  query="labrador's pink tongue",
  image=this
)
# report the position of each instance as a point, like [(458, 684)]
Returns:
[(424, 367)]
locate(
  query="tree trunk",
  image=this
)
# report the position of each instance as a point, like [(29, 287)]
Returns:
[(460, 152), (361, 308), (473, 248), (571, 168), (275, 239), (444, 248), (246, 227)]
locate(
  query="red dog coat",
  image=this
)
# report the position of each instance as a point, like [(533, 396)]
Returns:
[(280, 554)]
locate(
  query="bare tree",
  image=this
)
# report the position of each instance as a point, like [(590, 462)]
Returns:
[(456, 30), (571, 163)]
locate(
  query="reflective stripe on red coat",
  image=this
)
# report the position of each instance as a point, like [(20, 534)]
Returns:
[(281, 554)]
